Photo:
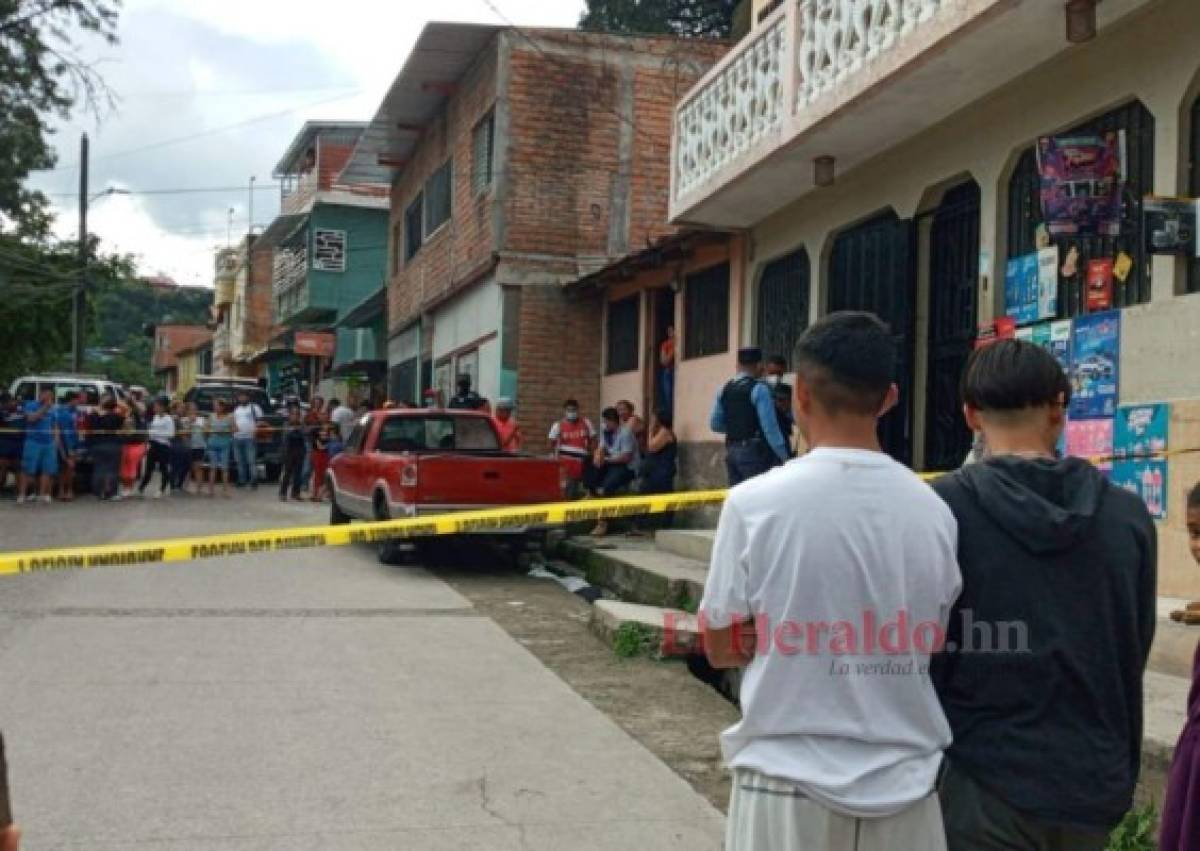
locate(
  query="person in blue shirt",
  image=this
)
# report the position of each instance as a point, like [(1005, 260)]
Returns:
[(744, 411), (39, 458), (12, 436), (65, 414)]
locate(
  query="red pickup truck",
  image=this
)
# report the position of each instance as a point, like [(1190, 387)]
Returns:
[(410, 462)]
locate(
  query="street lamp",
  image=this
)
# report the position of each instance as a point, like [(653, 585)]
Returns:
[(112, 190)]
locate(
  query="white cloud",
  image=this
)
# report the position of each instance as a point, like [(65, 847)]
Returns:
[(192, 68)]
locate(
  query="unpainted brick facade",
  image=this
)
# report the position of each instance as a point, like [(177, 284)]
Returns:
[(581, 177)]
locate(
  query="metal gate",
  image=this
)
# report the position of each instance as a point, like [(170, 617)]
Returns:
[(783, 304), (953, 285), (873, 268)]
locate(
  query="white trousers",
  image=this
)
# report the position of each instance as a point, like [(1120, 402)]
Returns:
[(770, 814)]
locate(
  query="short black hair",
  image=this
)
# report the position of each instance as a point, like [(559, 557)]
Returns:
[(610, 414), (665, 418), (1194, 497), (778, 360), (1012, 375), (335, 402), (570, 403), (848, 360)]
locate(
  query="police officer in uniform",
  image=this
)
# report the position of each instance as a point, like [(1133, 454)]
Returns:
[(744, 412), (467, 399)]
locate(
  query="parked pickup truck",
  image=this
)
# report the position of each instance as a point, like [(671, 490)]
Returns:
[(413, 462)]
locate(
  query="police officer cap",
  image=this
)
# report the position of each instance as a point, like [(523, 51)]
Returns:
[(750, 355)]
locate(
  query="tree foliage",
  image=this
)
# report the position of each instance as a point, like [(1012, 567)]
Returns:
[(36, 284), (689, 18), (42, 76)]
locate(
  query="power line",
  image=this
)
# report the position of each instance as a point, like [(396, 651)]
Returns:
[(186, 190), (178, 140)]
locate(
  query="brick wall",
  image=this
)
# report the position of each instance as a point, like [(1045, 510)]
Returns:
[(259, 299), (462, 249), (590, 140), (333, 158), (558, 357)]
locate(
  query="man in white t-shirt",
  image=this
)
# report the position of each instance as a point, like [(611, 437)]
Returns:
[(246, 417), (831, 582), (342, 416)]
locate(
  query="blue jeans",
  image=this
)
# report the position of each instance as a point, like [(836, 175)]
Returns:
[(666, 386), (244, 453), (748, 459)]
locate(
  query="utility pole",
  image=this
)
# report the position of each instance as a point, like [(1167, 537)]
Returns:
[(79, 302), (229, 230), (250, 226)]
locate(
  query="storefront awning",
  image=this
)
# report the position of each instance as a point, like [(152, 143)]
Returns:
[(669, 249)]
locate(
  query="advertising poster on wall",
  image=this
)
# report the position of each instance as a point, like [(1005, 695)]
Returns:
[(1060, 343), (1081, 183), (1095, 365), (1031, 286), (1140, 430), (1148, 479), (1091, 440), (1170, 225)]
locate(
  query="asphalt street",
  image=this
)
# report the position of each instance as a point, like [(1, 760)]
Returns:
[(313, 699)]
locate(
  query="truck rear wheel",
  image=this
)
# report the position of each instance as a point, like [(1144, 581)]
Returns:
[(397, 552)]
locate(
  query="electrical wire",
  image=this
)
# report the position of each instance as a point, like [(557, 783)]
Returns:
[(203, 134)]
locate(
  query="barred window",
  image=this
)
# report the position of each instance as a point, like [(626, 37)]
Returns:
[(621, 333), (413, 234), (783, 299), (437, 198), (1136, 125), (706, 312), (483, 147)]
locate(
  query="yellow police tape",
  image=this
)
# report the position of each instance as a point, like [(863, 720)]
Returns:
[(305, 537), (457, 523)]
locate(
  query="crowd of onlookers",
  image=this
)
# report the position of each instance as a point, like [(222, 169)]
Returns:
[(130, 441)]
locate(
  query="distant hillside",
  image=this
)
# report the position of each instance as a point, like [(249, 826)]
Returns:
[(121, 313)]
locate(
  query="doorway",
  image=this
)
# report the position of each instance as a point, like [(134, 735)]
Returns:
[(872, 267), (660, 390), (953, 299)]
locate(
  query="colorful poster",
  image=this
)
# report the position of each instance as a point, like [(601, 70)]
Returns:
[(1095, 364), (1060, 343), (1140, 430), (1091, 440), (1021, 289), (1031, 286), (1148, 479), (1081, 180), (1170, 225), (1099, 284), (1047, 282)]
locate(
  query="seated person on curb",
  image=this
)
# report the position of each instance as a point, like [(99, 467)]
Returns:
[(612, 463), (658, 465), (1042, 678)]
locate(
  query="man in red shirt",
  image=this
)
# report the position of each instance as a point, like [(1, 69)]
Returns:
[(572, 438)]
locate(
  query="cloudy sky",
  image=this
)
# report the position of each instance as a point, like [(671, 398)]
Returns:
[(210, 93)]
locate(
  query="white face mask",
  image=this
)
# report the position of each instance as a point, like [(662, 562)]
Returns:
[(772, 380), (572, 416)]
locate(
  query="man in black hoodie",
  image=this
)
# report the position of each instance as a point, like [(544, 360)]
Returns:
[(1042, 675)]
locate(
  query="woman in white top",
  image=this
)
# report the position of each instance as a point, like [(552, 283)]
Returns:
[(162, 430)]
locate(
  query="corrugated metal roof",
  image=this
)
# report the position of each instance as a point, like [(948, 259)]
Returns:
[(307, 137), (442, 54)]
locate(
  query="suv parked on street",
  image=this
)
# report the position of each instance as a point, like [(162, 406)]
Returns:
[(209, 388)]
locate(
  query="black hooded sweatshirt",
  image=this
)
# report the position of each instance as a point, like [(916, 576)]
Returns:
[(1055, 730)]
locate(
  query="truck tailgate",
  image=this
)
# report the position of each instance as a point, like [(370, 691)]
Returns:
[(460, 481)]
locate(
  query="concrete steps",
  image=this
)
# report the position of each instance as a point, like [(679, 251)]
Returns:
[(687, 543), (638, 572), (609, 616)]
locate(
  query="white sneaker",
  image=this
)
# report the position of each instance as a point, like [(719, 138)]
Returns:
[(116, 497), (21, 499), (46, 499), (157, 495), (165, 491)]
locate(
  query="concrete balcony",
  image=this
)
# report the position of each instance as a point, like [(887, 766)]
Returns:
[(298, 197), (845, 79)]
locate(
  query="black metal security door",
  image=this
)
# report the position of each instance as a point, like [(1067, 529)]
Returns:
[(953, 298), (873, 268)]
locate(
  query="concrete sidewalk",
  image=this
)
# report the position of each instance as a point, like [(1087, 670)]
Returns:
[(306, 700)]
